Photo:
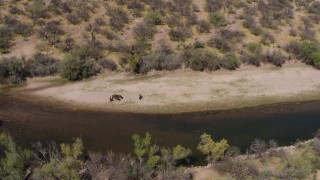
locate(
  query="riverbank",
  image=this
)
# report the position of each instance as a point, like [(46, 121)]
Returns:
[(183, 90)]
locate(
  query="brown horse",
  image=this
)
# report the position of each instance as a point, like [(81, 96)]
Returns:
[(115, 97)]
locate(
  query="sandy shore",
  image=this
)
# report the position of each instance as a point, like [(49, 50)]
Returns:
[(184, 90)]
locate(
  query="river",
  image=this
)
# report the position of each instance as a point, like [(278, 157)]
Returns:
[(102, 131)]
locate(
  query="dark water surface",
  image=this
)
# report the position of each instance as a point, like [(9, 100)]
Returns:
[(102, 131)]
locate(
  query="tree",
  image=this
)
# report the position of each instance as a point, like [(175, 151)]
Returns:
[(213, 150), (55, 163), (78, 65), (142, 145), (258, 147), (180, 153), (12, 165)]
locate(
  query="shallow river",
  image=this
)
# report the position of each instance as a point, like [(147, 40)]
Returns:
[(102, 131)]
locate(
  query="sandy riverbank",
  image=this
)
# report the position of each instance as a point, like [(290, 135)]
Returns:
[(184, 90)]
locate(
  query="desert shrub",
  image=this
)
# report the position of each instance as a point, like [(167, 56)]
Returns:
[(67, 43), (13, 158), (143, 30), (220, 43), (218, 19), (316, 59), (118, 46), (78, 65), (213, 150), (202, 59), (254, 48), (55, 162), (12, 70), (51, 32), (159, 61), (118, 17), (140, 46), (293, 32), (251, 58), (42, 65), (198, 44), (172, 21), (316, 145), (274, 57), (73, 18), (267, 38), (306, 50), (109, 34), (107, 64), (293, 47), (5, 39), (17, 27), (237, 168), (308, 34), (180, 33), (230, 61), (37, 9), (258, 147), (213, 5), (153, 18), (203, 26), (82, 12), (296, 168)]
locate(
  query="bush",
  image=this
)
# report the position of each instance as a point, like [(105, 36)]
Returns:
[(218, 19), (254, 48), (213, 150), (251, 58), (159, 61), (153, 18), (12, 70), (204, 26), (143, 30), (118, 18), (180, 33), (306, 51), (5, 39), (73, 18), (37, 9), (108, 64), (316, 59), (42, 65), (78, 65), (230, 62), (51, 32), (202, 59), (276, 58), (220, 43)]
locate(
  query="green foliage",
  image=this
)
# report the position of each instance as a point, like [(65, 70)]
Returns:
[(78, 65), (180, 152), (231, 62), (296, 168), (254, 48), (153, 18), (306, 51), (316, 59), (12, 70), (218, 19), (5, 39), (13, 158), (213, 150), (202, 59), (142, 145), (133, 62), (37, 9), (62, 164), (42, 65)]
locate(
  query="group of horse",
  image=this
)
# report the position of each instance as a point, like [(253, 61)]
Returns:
[(118, 97)]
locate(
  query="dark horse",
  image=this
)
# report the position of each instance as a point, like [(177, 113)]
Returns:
[(115, 97)]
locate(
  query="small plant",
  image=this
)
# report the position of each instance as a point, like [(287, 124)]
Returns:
[(218, 19), (276, 58), (231, 61), (153, 18)]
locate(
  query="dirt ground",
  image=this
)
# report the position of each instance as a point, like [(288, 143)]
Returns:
[(184, 90)]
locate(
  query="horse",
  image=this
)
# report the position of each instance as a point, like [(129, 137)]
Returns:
[(115, 97)]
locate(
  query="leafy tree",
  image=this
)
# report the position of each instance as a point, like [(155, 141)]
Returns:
[(180, 152), (62, 163), (12, 70), (12, 164), (78, 65), (213, 150), (142, 145)]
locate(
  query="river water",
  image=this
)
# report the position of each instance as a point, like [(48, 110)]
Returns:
[(103, 131)]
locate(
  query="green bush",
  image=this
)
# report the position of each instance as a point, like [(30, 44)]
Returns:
[(230, 62), (218, 19), (254, 48), (153, 18), (42, 65), (316, 59), (12, 70), (202, 59), (306, 50), (276, 58), (180, 33), (78, 65), (159, 61), (37, 9), (5, 39), (213, 150)]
